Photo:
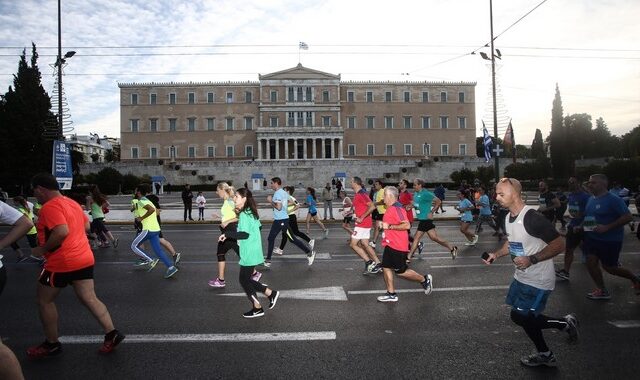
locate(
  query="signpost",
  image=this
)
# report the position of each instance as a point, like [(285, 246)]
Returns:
[(61, 164)]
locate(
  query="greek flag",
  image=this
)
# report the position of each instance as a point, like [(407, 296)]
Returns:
[(487, 143), (303, 46)]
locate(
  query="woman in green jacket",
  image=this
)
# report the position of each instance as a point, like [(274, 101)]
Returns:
[(250, 243)]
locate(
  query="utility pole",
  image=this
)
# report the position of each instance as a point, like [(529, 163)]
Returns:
[(60, 134), (493, 88)]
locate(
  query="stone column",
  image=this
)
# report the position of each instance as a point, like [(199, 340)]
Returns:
[(259, 149), (324, 148), (277, 149), (304, 148), (286, 149), (340, 148), (314, 148), (333, 148), (295, 149)]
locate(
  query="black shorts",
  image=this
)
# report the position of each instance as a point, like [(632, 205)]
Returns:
[(3, 278), (573, 239), (395, 260), (425, 225), (313, 213), (375, 215), (62, 279), (347, 219)]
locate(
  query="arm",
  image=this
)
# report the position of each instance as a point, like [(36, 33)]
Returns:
[(238, 235), (19, 229), (150, 210), (502, 251), (621, 221), (57, 236), (552, 249), (403, 226)]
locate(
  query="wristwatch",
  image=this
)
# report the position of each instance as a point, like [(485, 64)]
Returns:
[(533, 259)]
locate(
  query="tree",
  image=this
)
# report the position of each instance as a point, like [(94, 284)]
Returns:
[(109, 155), (630, 143), (25, 110), (537, 146), (560, 161), (95, 157)]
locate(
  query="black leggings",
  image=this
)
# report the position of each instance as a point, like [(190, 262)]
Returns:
[(3, 278), (249, 285), (293, 231), (534, 324), (227, 244)]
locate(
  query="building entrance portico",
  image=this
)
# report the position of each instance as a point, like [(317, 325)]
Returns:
[(300, 148)]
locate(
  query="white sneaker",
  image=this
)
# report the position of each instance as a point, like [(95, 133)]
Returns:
[(311, 257), (278, 251), (388, 298), (312, 243), (475, 240), (372, 244)]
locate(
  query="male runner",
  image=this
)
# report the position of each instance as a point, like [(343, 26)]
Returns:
[(362, 208)]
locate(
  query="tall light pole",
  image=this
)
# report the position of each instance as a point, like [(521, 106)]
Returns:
[(59, 62), (493, 90)]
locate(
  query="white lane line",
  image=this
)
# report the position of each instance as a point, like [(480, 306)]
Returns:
[(329, 293), (470, 265), (626, 324), (321, 256), (185, 338), (458, 289)]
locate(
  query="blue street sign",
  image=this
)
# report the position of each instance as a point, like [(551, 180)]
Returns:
[(61, 165)]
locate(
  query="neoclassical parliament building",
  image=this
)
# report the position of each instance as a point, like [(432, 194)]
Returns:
[(296, 114)]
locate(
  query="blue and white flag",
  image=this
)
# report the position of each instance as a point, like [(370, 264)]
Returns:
[(303, 46), (487, 143)]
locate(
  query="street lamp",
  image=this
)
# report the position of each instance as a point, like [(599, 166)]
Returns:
[(59, 62)]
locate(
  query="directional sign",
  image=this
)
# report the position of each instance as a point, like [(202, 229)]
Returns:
[(61, 165), (330, 293)]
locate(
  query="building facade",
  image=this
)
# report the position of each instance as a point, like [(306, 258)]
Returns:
[(92, 146), (296, 114)]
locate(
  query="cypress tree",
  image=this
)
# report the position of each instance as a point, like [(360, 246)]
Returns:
[(558, 149)]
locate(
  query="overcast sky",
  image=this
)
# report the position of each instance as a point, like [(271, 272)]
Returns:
[(590, 48)]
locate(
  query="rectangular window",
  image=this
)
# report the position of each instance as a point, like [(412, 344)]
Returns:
[(248, 97), (172, 125), (229, 97), (308, 94), (351, 122), (191, 123), (248, 150), (388, 149), (444, 122), (134, 99), (444, 149), (325, 96), (425, 97), (210, 97), (173, 152), (426, 149), (291, 119), (369, 96), (309, 121), (290, 91), (387, 96), (172, 98), (426, 122), (351, 149), (191, 98), (153, 98), (388, 122), (370, 150), (326, 121), (134, 152), (407, 97), (153, 152), (300, 118), (462, 122), (443, 97), (299, 97), (248, 123), (191, 152), (408, 149), (461, 97), (229, 122), (211, 151), (134, 125), (273, 121), (350, 96), (463, 149), (153, 125), (407, 122), (274, 96), (370, 122), (229, 149), (210, 123)]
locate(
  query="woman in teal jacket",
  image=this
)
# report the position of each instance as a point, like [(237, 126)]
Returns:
[(250, 243)]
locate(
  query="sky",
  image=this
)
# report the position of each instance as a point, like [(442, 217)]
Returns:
[(590, 49)]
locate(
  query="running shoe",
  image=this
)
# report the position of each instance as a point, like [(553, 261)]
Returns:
[(599, 294), (377, 268), (176, 258), (427, 284), (312, 243), (368, 266), (572, 327), (171, 271), (538, 359), (267, 264), (475, 239), (111, 340), (152, 264), (36, 258), (326, 233), (468, 243), (115, 243), (256, 276), (562, 275), (372, 244), (217, 283), (44, 350), (389, 297), (420, 248), (273, 298), (311, 257), (278, 251), (254, 313), (454, 252), (141, 263)]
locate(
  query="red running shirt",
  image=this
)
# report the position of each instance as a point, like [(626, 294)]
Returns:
[(360, 206), (75, 252), (396, 239), (406, 199)]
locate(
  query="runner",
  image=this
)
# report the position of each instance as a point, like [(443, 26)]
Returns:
[(32, 235), (423, 200), (396, 243), (250, 242), (363, 207), (312, 213), (576, 203), (465, 207), (279, 201), (548, 202), (604, 218), (347, 213), (163, 242), (485, 215), (97, 204), (533, 242), (406, 199), (63, 242), (292, 210), (379, 211), (151, 232)]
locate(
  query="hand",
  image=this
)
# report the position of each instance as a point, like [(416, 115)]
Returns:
[(492, 257), (139, 219), (222, 238), (522, 262), (223, 225), (358, 220), (600, 229), (384, 226), (38, 251), (269, 198)]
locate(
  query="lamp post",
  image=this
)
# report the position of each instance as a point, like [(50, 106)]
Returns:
[(493, 90), (59, 62)]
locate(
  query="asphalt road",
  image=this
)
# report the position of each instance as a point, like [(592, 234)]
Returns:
[(327, 324)]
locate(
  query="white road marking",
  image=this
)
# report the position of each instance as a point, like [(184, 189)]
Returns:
[(329, 293), (457, 289), (626, 324), (235, 337), (319, 256), (470, 265)]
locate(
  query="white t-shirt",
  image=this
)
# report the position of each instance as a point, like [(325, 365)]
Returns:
[(8, 215)]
